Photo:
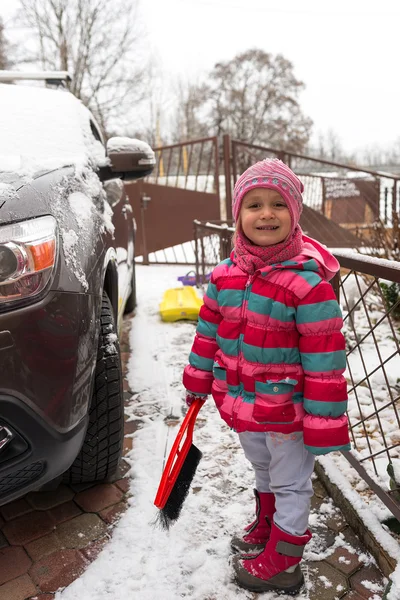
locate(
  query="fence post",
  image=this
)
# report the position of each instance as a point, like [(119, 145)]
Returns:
[(225, 243), (234, 162), (144, 200), (203, 259), (216, 176), (282, 156), (395, 218), (196, 249), (228, 176), (323, 207), (335, 283), (386, 193)]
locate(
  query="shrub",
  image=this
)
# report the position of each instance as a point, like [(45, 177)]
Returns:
[(391, 294)]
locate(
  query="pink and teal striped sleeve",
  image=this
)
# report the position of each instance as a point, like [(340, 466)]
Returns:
[(198, 374), (323, 357)]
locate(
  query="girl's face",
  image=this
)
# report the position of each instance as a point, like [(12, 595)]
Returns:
[(264, 217)]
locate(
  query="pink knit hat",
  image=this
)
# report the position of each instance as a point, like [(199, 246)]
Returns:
[(273, 174)]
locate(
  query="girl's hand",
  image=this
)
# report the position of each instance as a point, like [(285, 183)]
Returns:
[(191, 397)]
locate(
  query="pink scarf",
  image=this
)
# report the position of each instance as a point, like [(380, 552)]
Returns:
[(250, 257)]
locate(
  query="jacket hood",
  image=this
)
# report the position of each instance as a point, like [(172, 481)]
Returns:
[(328, 265)]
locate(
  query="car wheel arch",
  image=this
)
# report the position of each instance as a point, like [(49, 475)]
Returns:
[(110, 284)]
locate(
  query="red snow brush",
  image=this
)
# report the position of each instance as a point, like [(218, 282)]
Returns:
[(179, 471)]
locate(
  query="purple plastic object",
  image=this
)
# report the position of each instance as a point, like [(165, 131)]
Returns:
[(190, 278)]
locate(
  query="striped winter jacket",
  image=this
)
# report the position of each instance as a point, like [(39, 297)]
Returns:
[(269, 348)]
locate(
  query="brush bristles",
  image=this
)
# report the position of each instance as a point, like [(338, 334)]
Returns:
[(172, 509)]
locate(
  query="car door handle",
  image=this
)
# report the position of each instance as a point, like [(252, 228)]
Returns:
[(5, 436)]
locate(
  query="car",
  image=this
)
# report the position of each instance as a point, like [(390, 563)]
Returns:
[(66, 279)]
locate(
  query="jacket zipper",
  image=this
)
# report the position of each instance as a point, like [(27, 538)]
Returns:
[(243, 311)]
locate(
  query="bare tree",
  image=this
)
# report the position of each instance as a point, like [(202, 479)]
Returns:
[(98, 42), (5, 49), (329, 147), (190, 120), (254, 97), (154, 127)]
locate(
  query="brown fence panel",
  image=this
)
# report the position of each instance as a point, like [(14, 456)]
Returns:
[(184, 186), (164, 216)]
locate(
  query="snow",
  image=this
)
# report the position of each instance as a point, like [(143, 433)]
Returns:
[(351, 290), (395, 590), (81, 206), (396, 469), (192, 559), (373, 587), (7, 192), (83, 197), (86, 204), (70, 246), (44, 129), (339, 477), (368, 260), (125, 144), (325, 581), (107, 218)]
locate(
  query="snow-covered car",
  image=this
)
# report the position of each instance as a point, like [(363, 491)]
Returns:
[(66, 278)]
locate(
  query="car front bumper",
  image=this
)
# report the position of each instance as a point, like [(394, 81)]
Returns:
[(36, 453), (48, 354)]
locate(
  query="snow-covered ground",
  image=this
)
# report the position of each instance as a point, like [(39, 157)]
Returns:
[(192, 559)]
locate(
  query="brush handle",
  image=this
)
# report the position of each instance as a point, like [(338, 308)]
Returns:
[(178, 453)]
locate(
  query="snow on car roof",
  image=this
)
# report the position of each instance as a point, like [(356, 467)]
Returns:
[(43, 129)]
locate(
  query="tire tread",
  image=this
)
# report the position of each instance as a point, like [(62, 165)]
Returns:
[(99, 456)]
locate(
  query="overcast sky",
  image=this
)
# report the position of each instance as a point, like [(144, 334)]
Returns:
[(346, 52)]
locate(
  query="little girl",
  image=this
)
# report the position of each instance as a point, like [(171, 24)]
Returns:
[(269, 348)]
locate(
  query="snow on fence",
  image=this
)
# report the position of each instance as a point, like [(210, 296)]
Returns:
[(369, 294)]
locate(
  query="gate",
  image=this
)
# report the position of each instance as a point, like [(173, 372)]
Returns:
[(184, 186)]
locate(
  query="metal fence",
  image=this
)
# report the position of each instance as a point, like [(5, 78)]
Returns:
[(185, 185), (192, 165), (368, 290), (345, 206), (364, 202)]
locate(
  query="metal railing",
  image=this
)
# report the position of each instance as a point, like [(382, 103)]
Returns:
[(368, 290), (213, 242), (356, 198), (192, 165)]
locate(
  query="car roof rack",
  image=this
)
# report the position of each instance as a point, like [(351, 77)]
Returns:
[(50, 77)]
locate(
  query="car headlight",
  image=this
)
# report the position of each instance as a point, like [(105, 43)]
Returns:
[(28, 252)]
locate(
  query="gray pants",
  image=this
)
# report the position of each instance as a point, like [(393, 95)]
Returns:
[(283, 466)]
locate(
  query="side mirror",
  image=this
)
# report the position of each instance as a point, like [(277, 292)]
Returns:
[(129, 158)]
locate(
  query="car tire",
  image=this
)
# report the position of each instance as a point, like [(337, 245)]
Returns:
[(131, 302), (102, 448)]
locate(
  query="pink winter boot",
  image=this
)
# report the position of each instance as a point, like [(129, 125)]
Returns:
[(257, 532), (277, 567)]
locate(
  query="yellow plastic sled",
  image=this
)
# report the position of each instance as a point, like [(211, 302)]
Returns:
[(180, 303)]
